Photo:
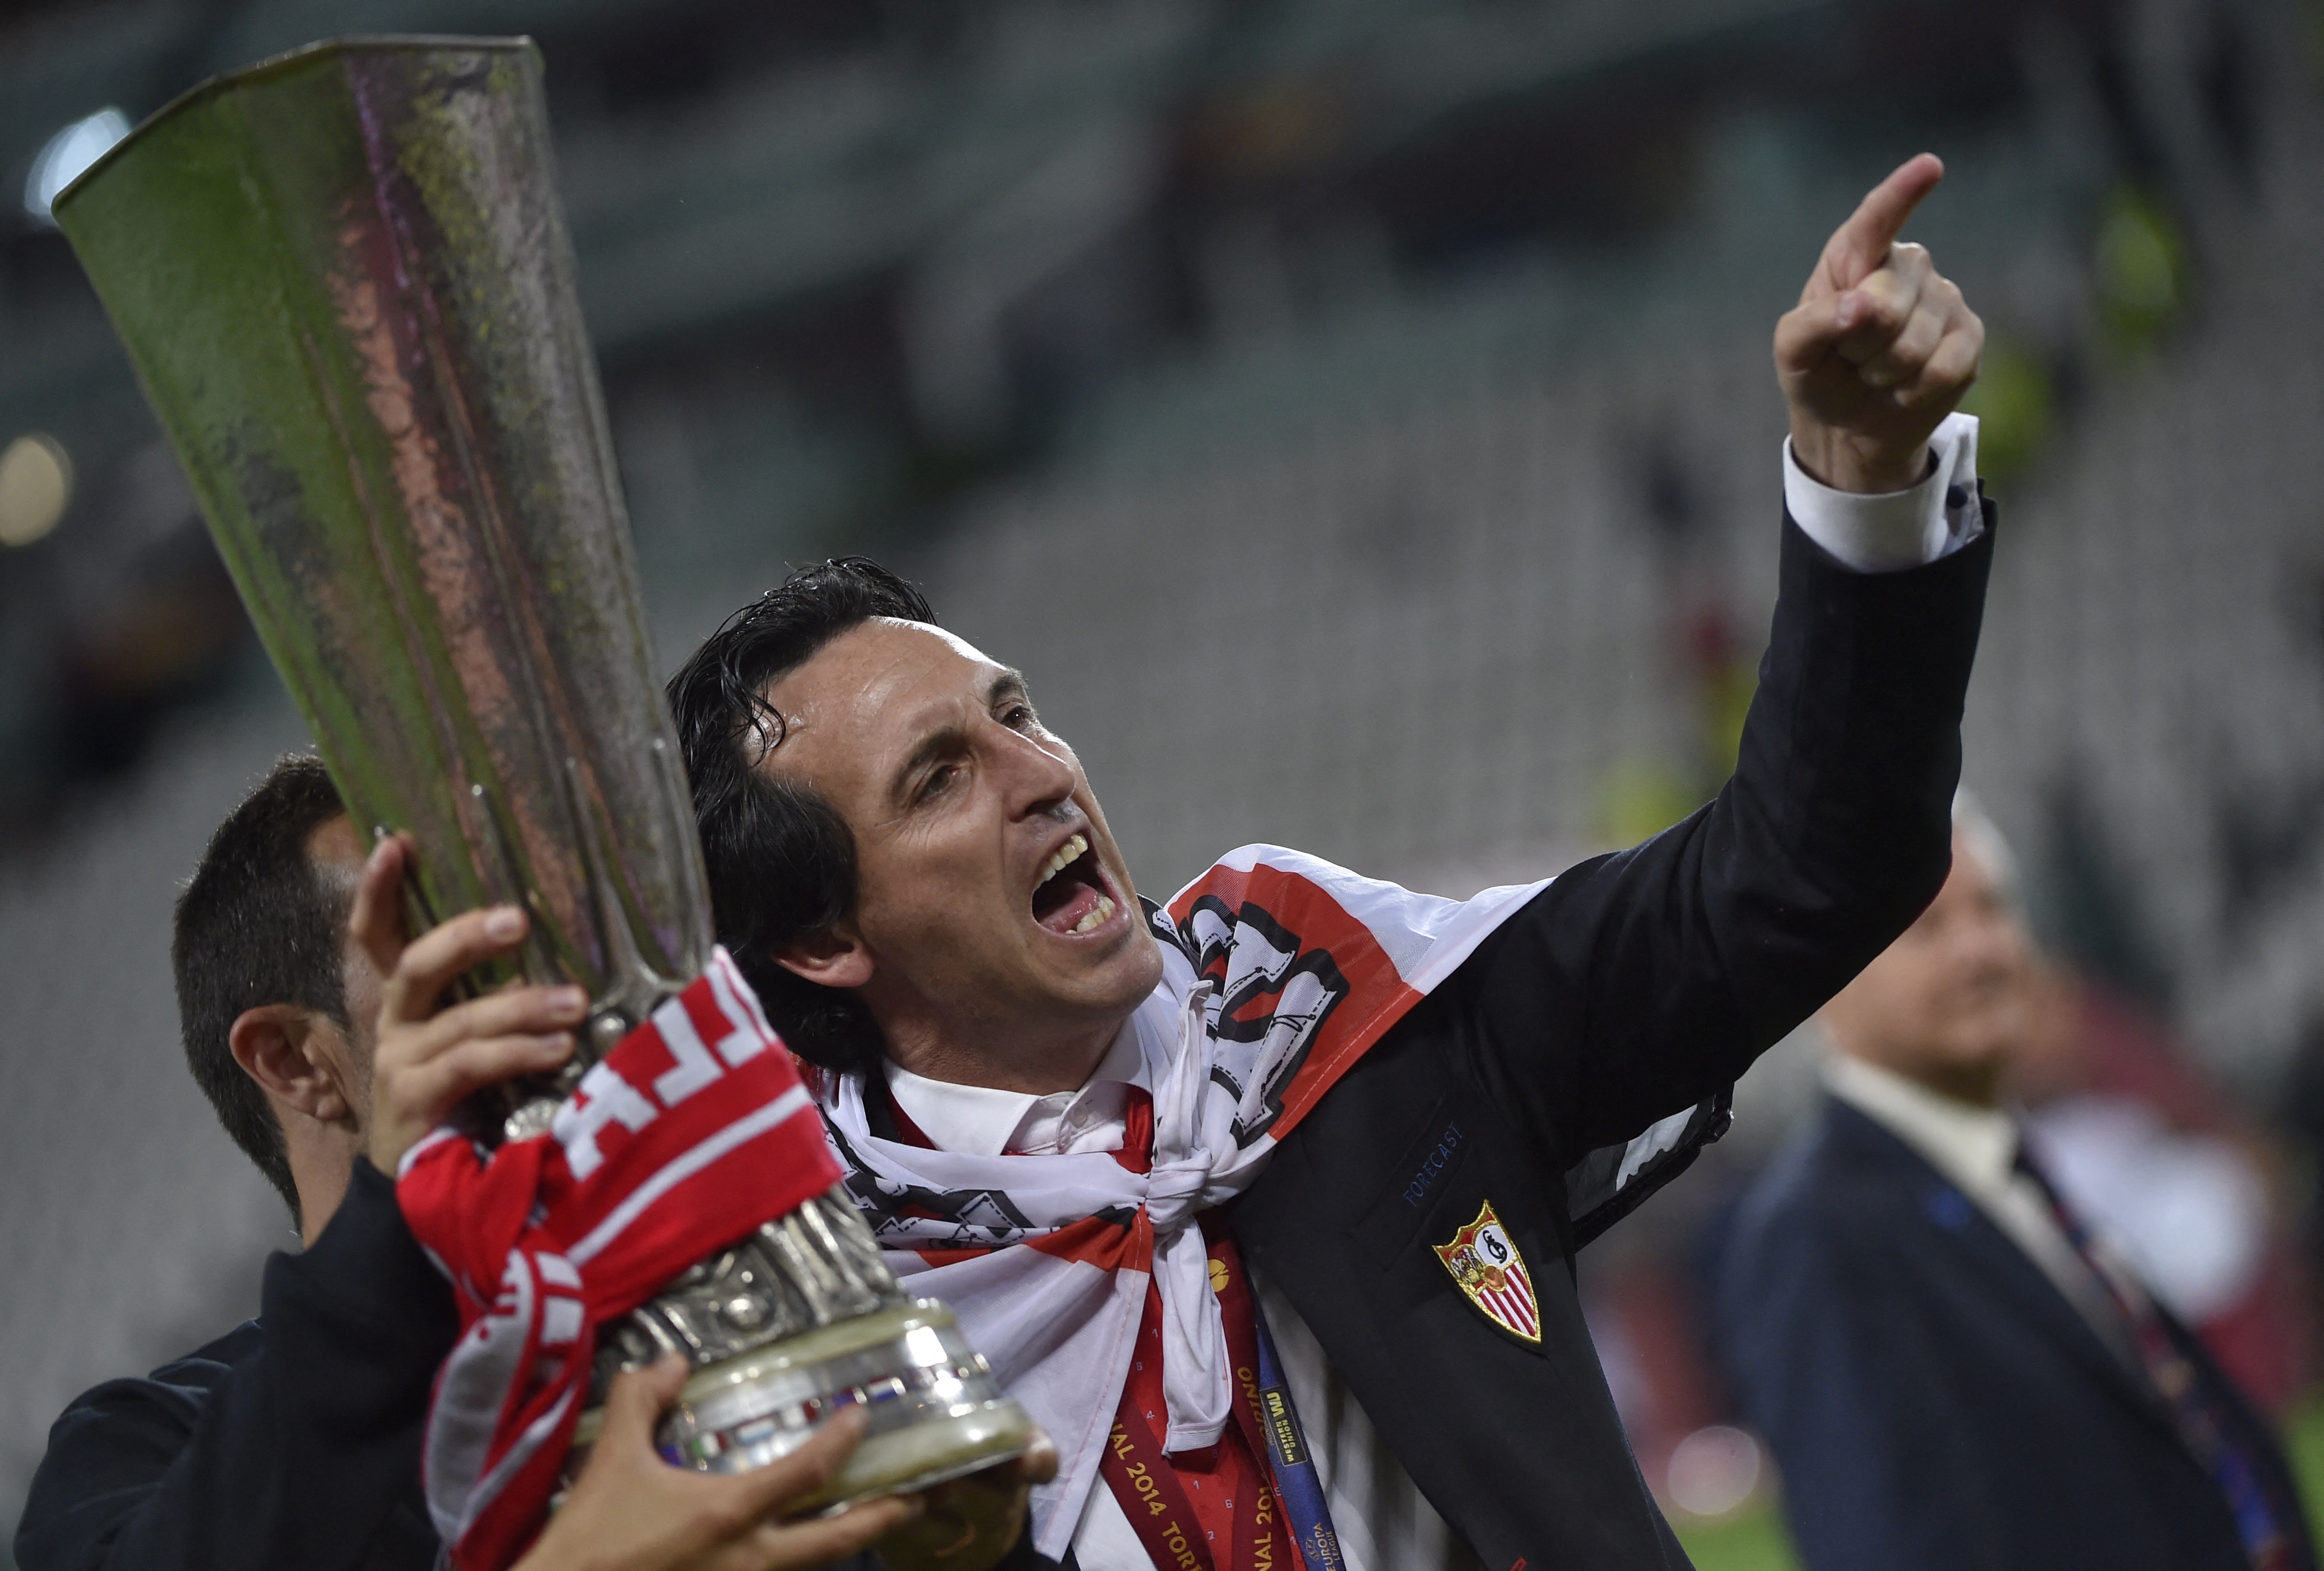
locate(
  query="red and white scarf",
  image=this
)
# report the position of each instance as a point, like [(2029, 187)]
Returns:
[(1279, 972), (690, 1133)]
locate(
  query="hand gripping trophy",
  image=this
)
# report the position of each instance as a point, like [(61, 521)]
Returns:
[(346, 282)]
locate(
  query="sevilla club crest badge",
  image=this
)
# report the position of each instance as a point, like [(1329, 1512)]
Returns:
[(1485, 1264)]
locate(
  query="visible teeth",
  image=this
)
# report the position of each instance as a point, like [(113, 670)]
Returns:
[(1067, 855), (1098, 916)]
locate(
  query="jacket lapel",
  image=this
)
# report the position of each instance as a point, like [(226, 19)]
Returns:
[(2021, 1287)]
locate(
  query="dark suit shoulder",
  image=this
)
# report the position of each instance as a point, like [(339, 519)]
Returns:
[(1842, 1179), (133, 1412), (296, 1445), (207, 1365)]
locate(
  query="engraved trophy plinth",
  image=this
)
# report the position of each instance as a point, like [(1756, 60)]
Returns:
[(346, 282)]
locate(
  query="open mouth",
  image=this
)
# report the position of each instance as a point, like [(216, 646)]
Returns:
[(1073, 897)]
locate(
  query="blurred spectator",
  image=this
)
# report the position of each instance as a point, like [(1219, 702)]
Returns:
[(2139, 1141), (1951, 1367), (2304, 1117)]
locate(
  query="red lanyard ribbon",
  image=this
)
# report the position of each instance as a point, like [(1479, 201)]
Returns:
[(1181, 1507)]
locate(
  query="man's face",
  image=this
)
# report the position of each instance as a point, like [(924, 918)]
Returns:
[(335, 850), (1950, 1002), (994, 907)]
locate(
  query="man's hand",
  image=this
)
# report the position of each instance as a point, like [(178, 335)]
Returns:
[(631, 1510), (427, 1060), (1880, 347), (970, 1522)]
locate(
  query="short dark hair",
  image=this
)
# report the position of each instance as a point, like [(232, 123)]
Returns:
[(258, 925), (780, 857)]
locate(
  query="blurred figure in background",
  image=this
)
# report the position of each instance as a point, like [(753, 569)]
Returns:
[(1951, 1370), (2143, 1144)]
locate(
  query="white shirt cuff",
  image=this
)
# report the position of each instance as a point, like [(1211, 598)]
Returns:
[(1901, 529)]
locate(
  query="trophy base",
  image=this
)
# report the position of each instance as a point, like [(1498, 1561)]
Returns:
[(935, 1411)]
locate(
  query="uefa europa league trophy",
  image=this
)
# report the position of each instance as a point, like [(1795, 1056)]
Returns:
[(345, 280)]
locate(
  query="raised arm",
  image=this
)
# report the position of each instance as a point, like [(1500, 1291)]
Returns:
[(1639, 984)]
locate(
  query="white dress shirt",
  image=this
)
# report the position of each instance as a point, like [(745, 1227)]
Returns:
[(1903, 529), (1383, 1521)]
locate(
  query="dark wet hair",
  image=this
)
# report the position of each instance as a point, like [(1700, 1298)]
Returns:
[(780, 857), (258, 925)]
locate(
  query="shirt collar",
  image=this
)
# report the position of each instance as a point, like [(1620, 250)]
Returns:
[(1975, 1147), (980, 1121)]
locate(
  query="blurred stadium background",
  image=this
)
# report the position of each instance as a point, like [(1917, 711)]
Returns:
[(1355, 416)]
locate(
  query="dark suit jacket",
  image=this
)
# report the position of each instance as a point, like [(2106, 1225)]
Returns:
[(1635, 987), (291, 1441), (1933, 1399)]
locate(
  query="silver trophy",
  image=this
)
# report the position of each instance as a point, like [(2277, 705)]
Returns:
[(345, 280)]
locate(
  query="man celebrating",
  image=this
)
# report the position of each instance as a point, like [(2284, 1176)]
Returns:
[(1265, 1204)]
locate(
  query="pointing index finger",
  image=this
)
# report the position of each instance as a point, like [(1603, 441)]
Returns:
[(1858, 247)]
